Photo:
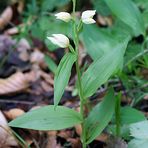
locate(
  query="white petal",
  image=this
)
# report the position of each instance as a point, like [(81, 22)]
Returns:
[(65, 16), (60, 40), (88, 21), (88, 14), (60, 36), (54, 41)]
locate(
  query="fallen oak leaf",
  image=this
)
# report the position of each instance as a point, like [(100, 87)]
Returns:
[(16, 83)]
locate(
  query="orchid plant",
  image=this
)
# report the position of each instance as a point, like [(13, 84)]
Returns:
[(57, 117), (63, 42)]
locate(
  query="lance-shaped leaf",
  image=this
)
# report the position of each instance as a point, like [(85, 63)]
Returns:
[(62, 76), (99, 117), (97, 41), (48, 118), (128, 12), (101, 69), (130, 115)]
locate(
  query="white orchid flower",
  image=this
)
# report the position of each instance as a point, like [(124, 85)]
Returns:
[(59, 40), (64, 16), (87, 16)]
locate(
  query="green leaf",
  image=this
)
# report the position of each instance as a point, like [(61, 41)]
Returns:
[(48, 118), (99, 117), (62, 76), (46, 26), (51, 25), (50, 63), (51, 4), (121, 29), (128, 12), (36, 31), (101, 7), (101, 69), (130, 115), (139, 130), (140, 134), (124, 131), (143, 4), (132, 52), (136, 143), (144, 15), (97, 41)]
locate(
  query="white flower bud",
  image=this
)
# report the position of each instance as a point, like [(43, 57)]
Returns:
[(87, 16), (64, 16), (60, 40)]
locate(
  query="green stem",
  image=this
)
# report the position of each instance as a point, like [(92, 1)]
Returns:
[(117, 114), (74, 6), (83, 137), (76, 42), (80, 87), (71, 49)]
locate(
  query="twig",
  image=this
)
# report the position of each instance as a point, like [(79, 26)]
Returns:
[(16, 102)]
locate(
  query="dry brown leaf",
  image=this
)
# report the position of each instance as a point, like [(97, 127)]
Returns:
[(46, 87), (24, 56), (104, 20), (76, 143), (52, 142), (20, 6), (78, 129), (14, 113), (65, 134), (17, 82), (116, 143), (6, 138), (6, 44), (37, 107), (32, 76), (146, 97), (5, 17), (14, 83), (101, 20), (103, 137), (47, 77), (37, 57), (23, 44), (12, 31), (144, 73)]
